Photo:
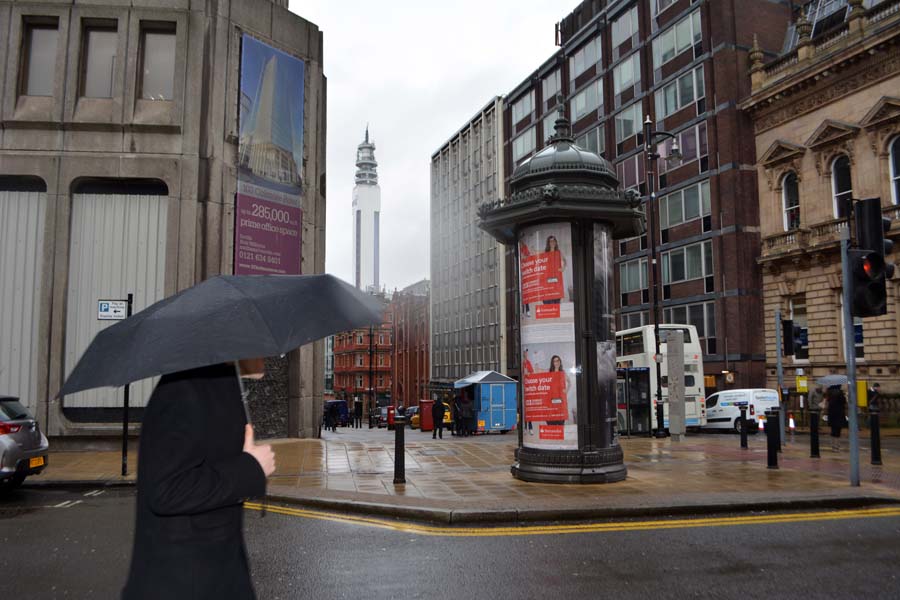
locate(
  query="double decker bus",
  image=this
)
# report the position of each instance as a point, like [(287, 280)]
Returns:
[(635, 349)]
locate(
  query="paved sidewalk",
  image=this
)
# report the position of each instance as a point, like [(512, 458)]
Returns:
[(457, 480)]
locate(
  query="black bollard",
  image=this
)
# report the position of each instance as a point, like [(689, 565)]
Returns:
[(399, 450), (772, 438), (743, 427), (660, 421), (875, 427), (814, 432)]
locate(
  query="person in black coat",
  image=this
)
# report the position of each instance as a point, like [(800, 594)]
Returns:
[(197, 463), (837, 405), (437, 416)]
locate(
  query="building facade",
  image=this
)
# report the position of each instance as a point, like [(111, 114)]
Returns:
[(409, 381), (682, 64), (366, 218), (468, 275), (826, 117), (120, 160), (362, 364)]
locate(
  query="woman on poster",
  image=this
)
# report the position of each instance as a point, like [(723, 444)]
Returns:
[(556, 265), (560, 388)]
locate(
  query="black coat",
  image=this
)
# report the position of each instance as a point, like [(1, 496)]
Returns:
[(192, 478), (437, 413)]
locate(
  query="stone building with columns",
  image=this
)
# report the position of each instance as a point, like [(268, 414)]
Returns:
[(826, 117), (119, 163)]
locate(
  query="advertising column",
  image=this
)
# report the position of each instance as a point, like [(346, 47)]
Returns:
[(548, 337), (268, 216)]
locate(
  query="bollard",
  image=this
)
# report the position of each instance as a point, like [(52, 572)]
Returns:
[(875, 428), (779, 434), (814, 432), (772, 438), (399, 450), (743, 427)]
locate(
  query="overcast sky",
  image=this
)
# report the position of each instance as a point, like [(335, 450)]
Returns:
[(416, 71)]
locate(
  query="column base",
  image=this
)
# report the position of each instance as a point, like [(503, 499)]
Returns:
[(570, 466)]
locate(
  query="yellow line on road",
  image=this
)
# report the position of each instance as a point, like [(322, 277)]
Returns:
[(556, 529)]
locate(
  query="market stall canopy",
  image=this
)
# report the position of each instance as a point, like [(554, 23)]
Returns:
[(482, 377)]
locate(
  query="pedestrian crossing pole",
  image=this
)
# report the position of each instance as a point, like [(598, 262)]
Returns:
[(850, 353)]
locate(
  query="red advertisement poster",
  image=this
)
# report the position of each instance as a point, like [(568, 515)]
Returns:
[(545, 397), (552, 432), (542, 278), (266, 237)]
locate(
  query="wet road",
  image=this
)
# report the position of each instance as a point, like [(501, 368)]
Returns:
[(76, 544)]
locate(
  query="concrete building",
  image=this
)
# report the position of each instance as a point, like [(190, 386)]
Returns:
[(468, 275), (120, 153), (366, 219), (826, 118), (409, 381), (683, 64), (362, 363)]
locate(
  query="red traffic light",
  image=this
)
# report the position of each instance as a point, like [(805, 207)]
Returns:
[(871, 266)]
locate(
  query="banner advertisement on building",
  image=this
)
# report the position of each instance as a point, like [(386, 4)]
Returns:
[(268, 217), (548, 337)]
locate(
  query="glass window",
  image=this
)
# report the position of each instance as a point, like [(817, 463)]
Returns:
[(523, 145), (676, 39), (39, 74), (523, 107), (587, 100), (593, 140), (586, 57), (684, 205), (99, 61), (660, 5), (841, 185), (693, 145), (790, 195), (628, 122), (625, 26), (551, 85), (158, 64), (633, 275), (680, 93), (690, 262), (627, 73), (549, 124), (895, 170)]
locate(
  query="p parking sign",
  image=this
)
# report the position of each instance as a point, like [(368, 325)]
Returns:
[(112, 310)]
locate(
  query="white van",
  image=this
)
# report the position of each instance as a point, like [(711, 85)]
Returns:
[(723, 409)]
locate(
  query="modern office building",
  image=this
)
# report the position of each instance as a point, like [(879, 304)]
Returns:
[(682, 63), (468, 275), (826, 118), (134, 135), (411, 344), (366, 218)]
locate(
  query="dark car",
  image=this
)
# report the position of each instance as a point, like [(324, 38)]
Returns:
[(23, 448), (381, 417)]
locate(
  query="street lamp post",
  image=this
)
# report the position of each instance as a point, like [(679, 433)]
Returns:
[(651, 156)]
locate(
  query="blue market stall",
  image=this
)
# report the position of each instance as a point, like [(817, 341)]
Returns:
[(494, 400)]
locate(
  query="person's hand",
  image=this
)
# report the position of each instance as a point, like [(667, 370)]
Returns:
[(263, 454)]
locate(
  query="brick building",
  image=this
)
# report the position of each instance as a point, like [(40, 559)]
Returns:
[(826, 116), (409, 380), (682, 63), (362, 364)]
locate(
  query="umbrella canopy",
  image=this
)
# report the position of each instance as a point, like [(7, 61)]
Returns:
[(830, 380), (222, 319)]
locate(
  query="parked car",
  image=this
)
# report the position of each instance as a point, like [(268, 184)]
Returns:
[(412, 413), (381, 417), (24, 448), (723, 409)]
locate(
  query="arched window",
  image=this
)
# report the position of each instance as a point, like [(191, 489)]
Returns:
[(790, 200), (841, 185), (895, 170)]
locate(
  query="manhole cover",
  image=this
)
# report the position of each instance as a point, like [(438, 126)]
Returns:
[(437, 452)]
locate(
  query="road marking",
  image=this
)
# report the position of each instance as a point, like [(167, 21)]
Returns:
[(94, 493), (450, 531), (67, 504)]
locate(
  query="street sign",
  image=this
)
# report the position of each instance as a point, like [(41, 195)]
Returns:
[(112, 310), (802, 385)]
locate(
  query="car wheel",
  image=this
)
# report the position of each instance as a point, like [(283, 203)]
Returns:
[(737, 425)]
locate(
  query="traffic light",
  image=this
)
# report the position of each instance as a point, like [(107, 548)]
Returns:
[(791, 338), (869, 271)]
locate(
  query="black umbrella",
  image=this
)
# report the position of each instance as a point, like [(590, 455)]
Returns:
[(222, 319)]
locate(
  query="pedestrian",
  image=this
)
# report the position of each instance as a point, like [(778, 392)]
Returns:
[(357, 414), (816, 400), (457, 428), (197, 463), (837, 405), (874, 395), (437, 416), (466, 415), (334, 416)]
